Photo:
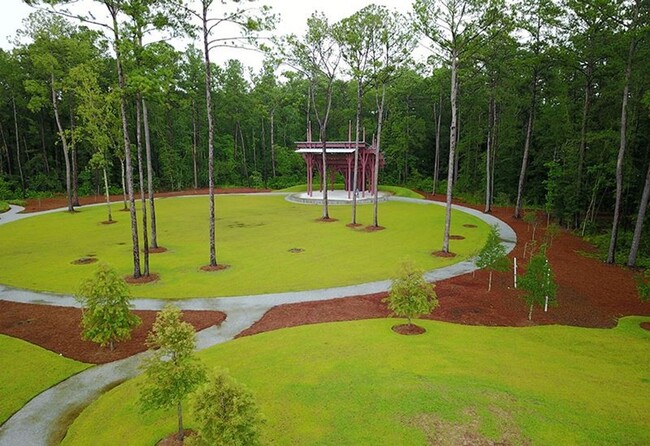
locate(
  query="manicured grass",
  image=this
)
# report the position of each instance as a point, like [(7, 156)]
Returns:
[(254, 236), (360, 383), (26, 371)]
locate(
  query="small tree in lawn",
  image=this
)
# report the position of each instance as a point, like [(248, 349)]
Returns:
[(106, 309), (538, 282), (410, 295), (226, 414), (493, 255), (172, 371), (530, 217)]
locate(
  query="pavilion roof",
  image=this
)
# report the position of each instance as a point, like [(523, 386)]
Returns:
[(332, 146)]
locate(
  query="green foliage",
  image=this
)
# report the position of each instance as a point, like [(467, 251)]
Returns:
[(493, 254), (226, 414), (552, 231), (538, 282), (106, 309), (172, 371), (643, 285), (4, 206), (410, 295)]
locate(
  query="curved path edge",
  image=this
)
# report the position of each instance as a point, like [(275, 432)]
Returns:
[(44, 420)]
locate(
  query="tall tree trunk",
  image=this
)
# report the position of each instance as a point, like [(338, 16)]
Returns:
[(323, 137), (456, 152), (73, 158), (611, 254), (108, 196), (452, 148), (380, 119), (638, 228), (208, 101), (355, 174), (194, 147), (18, 162), (272, 143), (64, 144), (127, 143), (527, 142), (123, 176), (436, 163), (583, 142), (264, 149), (46, 164), (152, 204), (143, 199), (488, 158), (243, 151)]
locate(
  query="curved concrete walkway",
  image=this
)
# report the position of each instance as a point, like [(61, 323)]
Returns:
[(45, 419)]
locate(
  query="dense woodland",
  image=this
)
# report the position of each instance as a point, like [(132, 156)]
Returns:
[(543, 104)]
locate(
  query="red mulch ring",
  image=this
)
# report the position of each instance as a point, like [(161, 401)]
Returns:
[(645, 325), (353, 225), (84, 261), (408, 330), (58, 329), (172, 439), (326, 220), (456, 237), (470, 226), (109, 222), (152, 277), (443, 254), (372, 228), (212, 268), (157, 250), (296, 250)]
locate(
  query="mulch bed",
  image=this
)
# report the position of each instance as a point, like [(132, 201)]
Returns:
[(57, 329), (408, 330), (443, 254), (213, 268), (590, 294)]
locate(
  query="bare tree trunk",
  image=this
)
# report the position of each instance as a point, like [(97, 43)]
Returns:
[(638, 228), (64, 144), (123, 184), (208, 101), (243, 151), (46, 164), (436, 163), (6, 147), (18, 162), (73, 157), (143, 199), (194, 147), (272, 144), (355, 175), (380, 119), (152, 204), (127, 143), (179, 412), (611, 254), (524, 161), (488, 158), (452, 148), (583, 141), (108, 196), (456, 151)]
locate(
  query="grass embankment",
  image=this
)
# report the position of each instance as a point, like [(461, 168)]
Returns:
[(255, 236), (360, 383), (26, 371)]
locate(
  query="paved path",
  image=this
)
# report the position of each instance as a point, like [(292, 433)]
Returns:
[(45, 419)]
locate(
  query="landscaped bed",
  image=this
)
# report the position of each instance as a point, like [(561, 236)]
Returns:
[(361, 383), (269, 244)]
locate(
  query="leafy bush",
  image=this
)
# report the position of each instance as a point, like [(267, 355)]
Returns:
[(4, 206), (410, 295)]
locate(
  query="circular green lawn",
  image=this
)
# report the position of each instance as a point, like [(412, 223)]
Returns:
[(255, 236), (359, 383)]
